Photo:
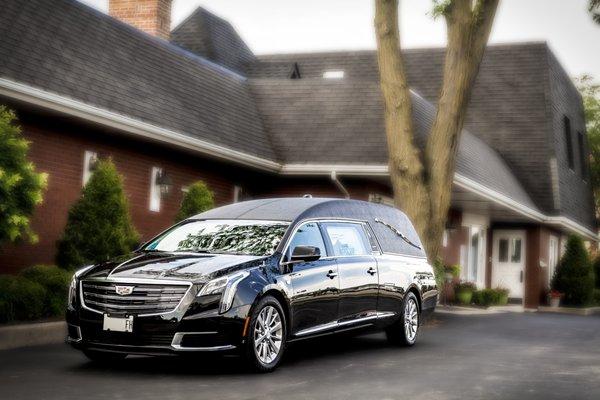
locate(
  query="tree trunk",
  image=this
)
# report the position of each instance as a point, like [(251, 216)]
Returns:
[(422, 180)]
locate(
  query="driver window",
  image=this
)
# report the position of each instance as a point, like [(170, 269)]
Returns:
[(308, 234)]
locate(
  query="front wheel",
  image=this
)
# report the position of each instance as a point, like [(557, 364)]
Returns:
[(266, 336), (406, 330)]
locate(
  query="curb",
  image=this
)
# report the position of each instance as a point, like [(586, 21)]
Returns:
[(24, 335), (570, 310)]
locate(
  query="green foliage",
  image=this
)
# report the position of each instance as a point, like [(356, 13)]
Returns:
[(596, 268), (21, 188), (56, 283), (198, 199), (464, 292), (574, 275), (99, 226), (20, 299), (590, 91), (453, 270), (440, 7), (439, 271), (594, 9), (490, 297)]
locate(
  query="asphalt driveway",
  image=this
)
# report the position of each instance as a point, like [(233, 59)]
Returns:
[(501, 356)]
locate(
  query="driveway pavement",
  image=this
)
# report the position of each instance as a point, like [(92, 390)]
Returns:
[(498, 356)]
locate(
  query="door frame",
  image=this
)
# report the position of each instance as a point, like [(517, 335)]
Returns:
[(495, 253)]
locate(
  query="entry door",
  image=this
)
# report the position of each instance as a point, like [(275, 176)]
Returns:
[(357, 268), (315, 285), (508, 263)]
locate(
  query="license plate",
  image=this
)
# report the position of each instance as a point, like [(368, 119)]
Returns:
[(118, 324)]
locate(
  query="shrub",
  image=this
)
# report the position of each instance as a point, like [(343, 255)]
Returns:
[(21, 187), (574, 276), (56, 283), (596, 267), (438, 270), (20, 299), (453, 270), (490, 297), (99, 226), (198, 199)]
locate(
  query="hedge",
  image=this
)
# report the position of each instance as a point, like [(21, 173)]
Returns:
[(490, 297), (37, 292), (574, 276)]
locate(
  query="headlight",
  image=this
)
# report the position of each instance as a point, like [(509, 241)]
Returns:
[(73, 285), (226, 286)]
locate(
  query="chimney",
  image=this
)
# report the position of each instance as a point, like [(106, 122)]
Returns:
[(151, 16)]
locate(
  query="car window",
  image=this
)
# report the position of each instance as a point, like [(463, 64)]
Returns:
[(347, 239), (308, 234)]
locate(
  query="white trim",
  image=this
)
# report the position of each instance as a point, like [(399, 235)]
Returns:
[(89, 157), (154, 198), (98, 115), (135, 127)]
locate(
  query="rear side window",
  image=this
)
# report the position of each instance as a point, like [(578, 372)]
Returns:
[(308, 234), (347, 239)]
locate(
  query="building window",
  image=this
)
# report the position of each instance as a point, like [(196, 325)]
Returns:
[(90, 158), (238, 193), (569, 142), (334, 74), (582, 155), (155, 189)]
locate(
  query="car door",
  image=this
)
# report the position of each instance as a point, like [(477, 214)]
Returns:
[(315, 284), (357, 267)]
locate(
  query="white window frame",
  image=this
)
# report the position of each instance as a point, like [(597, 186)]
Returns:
[(334, 74), (89, 158), (155, 200)]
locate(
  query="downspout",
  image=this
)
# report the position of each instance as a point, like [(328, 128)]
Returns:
[(339, 185)]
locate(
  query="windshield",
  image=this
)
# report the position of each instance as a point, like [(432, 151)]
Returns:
[(257, 238)]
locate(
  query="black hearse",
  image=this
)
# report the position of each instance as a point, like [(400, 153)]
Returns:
[(254, 276)]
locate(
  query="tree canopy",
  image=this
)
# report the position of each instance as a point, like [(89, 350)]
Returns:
[(590, 91), (594, 9), (21, 187)]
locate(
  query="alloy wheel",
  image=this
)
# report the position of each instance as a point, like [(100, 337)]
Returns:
[(411, 319), (268, 335)]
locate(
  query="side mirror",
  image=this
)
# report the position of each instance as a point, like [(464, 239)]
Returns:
[(305, 254)]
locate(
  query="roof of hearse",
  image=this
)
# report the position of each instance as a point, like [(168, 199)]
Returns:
[(384, 220)]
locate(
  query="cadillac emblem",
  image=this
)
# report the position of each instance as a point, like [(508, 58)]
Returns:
[(124, 290)]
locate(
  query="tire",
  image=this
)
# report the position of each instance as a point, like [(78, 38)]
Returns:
[(102, 357), (265, 355), (406, 330)]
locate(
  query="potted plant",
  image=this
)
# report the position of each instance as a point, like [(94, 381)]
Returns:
[(554, 298), (464, 292), (502, 296)]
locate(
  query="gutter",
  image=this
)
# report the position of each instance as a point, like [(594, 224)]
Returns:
[(76, 108), (339, 185)]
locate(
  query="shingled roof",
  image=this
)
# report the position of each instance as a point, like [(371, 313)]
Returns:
[(209, 87), (70, 49)]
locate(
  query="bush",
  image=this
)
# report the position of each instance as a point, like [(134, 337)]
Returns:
[(574, 276), (21, 188), (56, 283), (596, 268), (490, 297), (20, 299), (453, 270), (99, 226), (198, 199)]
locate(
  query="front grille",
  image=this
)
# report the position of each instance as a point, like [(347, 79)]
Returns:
[(140, 338), (147, 298)]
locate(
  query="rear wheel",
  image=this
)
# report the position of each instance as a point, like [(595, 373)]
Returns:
[(266, 335), (103, 357), (405, 331)]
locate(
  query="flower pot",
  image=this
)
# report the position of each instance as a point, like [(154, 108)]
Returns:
[(503, 299), (554, 301), (464, 296)]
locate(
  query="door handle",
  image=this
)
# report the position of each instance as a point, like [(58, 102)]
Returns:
[(331, 274), (372, 271)]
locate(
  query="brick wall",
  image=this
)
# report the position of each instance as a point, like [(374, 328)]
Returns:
[(151, 16)]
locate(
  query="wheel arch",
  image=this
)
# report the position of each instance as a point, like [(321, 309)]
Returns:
[(282, 299), (415, 290)]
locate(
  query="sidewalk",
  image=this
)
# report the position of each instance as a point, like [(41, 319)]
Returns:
[(463, 310), (32, 334)]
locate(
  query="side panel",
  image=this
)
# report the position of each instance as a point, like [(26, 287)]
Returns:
[(397, 274)]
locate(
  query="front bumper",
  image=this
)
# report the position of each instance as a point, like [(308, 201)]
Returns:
[(161, 334)]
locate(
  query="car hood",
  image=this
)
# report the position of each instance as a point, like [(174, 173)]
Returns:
[(176, 266)]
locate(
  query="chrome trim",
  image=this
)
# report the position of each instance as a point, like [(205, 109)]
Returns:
[(178, 337), (345, 323), (143, 282), (72, 340)]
